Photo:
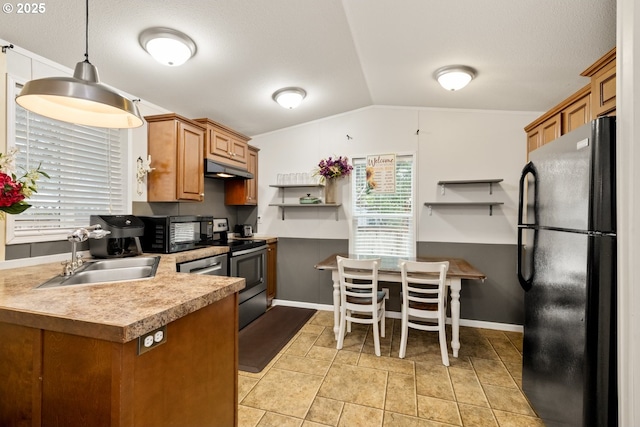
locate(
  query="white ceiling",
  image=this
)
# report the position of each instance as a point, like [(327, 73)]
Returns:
[(346, 54)]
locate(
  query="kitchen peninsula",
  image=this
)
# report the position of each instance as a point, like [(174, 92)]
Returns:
[(70, 355)]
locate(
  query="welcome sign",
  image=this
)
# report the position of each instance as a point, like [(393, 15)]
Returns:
[(381, 173)]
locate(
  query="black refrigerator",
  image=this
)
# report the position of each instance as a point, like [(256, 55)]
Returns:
[(567, 266)]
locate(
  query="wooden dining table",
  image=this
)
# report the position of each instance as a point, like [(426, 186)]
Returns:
[(389, 271)]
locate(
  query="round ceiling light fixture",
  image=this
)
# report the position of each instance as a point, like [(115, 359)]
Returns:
[(454, 77), (168, 47), (289, 97)]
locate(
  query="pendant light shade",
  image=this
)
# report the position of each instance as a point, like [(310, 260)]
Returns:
[(289, 97), (80, 99), (454, 77)]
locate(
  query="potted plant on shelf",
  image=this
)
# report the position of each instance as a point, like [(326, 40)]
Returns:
[(330, 170)]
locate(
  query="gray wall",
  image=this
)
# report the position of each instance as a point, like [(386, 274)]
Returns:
[(498, 299), (213, 204)]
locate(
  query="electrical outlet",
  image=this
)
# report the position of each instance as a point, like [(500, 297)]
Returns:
[(152, 339)]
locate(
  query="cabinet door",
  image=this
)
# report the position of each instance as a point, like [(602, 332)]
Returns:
[(190, 185), (219, 143), (576, 114), (545, 132), (603, 89), (239, 151), (225, 148), (241, 192), (272, 271)]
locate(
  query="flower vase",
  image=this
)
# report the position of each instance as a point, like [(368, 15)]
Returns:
[(330, 191)]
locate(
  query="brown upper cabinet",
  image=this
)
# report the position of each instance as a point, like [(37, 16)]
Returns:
[(603, 85), (225, 145), (175, 144), (596, 99), (244, 191)]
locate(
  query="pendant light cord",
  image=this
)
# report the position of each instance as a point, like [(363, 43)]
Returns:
[(86, 32)]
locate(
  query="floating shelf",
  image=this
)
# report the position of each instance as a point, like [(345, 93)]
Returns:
[(442, 184), (283, 206), (429, 205)]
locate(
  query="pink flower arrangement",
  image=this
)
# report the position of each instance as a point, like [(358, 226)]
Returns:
[(331, 168), (14, 190)]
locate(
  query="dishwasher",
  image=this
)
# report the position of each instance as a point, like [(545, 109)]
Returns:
[(217, 265)]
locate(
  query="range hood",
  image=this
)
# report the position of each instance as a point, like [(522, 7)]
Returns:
[(219, 171)]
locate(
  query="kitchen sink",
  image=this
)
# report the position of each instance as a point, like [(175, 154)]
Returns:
[(114, 263), (107, 271)]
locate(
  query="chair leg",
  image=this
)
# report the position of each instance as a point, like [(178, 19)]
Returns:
[(443, 343), (404, 331), (382, 321), (376, 338), (341, 328)]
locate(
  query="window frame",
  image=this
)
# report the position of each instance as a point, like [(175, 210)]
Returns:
[(57, 234), (413, 216)]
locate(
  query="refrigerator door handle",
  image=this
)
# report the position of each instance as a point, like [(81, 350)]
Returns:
[(528, 169), (524, 282)]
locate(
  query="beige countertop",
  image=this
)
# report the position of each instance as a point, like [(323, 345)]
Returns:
[(118, 312)]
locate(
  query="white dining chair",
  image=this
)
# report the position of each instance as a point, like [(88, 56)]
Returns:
[(424, 301), (359, 295)]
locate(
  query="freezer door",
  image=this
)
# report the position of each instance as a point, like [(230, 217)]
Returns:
[(553, 376), (562, 184)]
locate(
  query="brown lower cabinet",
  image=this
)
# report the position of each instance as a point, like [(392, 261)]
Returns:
[(272, 271), (58, 379)]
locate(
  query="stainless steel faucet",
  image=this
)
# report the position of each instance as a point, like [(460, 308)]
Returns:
[(77, 236)]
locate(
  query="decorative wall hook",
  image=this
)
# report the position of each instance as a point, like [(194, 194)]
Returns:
[(142, 169)]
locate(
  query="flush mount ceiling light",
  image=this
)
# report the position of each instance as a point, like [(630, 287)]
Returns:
[(454, 77), (289, 97), (80, 99), (167, 46)]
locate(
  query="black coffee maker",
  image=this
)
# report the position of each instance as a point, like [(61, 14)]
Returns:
[(124, 239)]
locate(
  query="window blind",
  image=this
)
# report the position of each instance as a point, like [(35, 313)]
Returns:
[(85, 166), (384, 223)]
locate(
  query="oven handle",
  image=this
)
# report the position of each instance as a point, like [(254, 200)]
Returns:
[(248, 251), (215, 267)]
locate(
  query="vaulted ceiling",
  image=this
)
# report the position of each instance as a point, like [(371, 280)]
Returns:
[(346, 54)]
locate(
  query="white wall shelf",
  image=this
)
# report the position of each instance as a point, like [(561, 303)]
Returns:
[(429, 205), (442, 184)]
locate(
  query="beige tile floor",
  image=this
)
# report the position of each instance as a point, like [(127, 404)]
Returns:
[(311, 384)]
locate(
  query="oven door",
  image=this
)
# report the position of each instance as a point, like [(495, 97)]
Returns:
[(210, 266), (249, 264)]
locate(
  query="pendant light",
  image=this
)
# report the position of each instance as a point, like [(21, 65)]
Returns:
[(80, 99)]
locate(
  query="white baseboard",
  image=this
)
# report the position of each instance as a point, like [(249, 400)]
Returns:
[(396, 315)]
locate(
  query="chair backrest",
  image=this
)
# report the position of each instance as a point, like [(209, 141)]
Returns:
[(424, 283), (358, 277)]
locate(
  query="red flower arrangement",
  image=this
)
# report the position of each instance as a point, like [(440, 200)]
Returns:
[(14, 190)]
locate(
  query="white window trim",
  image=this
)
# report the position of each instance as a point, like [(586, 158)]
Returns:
[(57, 234), (414, 192)]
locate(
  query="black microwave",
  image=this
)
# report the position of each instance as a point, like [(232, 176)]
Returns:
[(169, 234)]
